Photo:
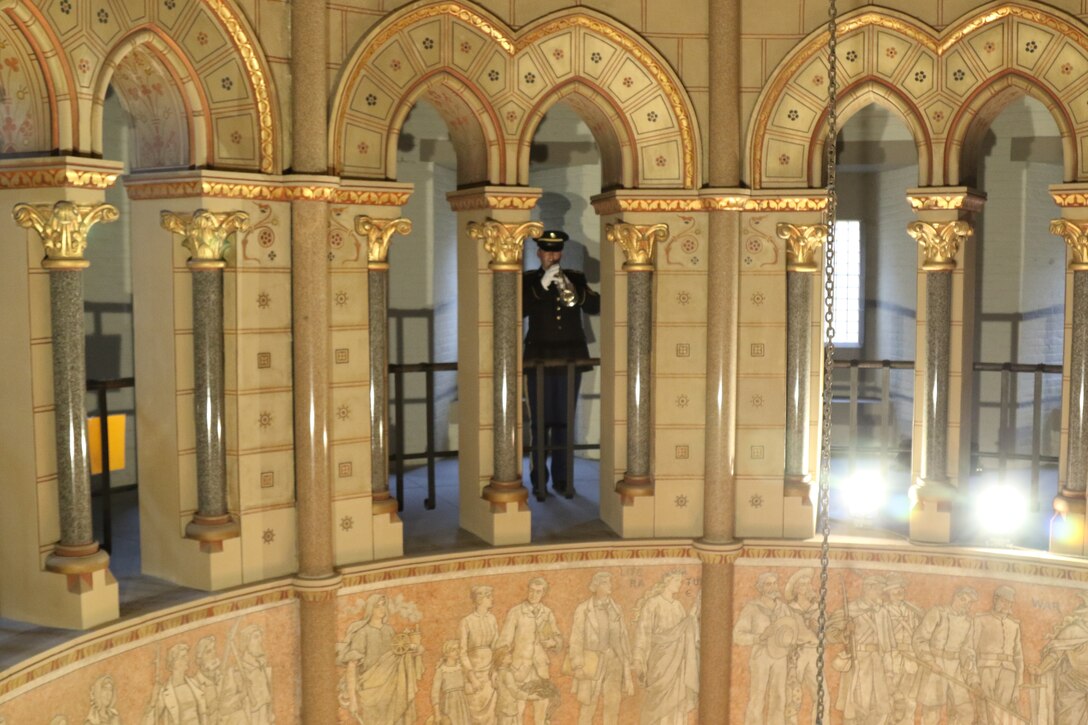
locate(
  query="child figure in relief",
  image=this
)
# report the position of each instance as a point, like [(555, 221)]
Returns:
[(511, 694), (448, 691)]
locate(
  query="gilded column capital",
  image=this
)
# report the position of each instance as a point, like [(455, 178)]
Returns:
[(1076, 236), (378, 233), (206, 234), (504, 241), (63, 229), (637, 242), (941, 242), (803, 242)]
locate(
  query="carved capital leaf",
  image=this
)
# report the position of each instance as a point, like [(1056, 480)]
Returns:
[(64, 226), (803, 243), (378, 233), (941, 242), (504, 241), (1076, 236), (206, 234), (637, 242)]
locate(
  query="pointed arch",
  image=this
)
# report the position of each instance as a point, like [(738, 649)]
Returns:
[(165, 137), (858, 96), (614, 136), (516, 74), (978, 113), (941, 74)]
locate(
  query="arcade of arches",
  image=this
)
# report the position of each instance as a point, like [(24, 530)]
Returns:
[(210, 197)]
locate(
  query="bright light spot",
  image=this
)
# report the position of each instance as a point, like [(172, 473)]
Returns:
[(864, 493), (1001, 510), (1066, 532)]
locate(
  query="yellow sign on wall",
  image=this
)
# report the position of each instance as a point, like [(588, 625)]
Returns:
[(116, 427)]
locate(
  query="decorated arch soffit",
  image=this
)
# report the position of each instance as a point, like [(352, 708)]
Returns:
[(25, 95), (624, 90), (944, 86), (201, 57)]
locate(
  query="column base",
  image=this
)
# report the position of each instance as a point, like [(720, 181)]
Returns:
[(84, 595), (931, 511), (212, 531), (798, 511), (1067, 524), (631, 487), (501, 493), (386, 527)]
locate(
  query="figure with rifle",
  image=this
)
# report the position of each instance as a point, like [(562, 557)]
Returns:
[(862, 627), (944, 647)]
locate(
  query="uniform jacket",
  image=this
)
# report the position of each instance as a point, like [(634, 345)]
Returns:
[(555, 330)]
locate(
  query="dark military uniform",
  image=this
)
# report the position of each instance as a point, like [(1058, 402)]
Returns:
[(555, 331)]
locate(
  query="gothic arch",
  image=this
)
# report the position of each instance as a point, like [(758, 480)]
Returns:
[(518, 74), (934, 72), (979, 111), (858, 96), (208, 46), (161, 92)]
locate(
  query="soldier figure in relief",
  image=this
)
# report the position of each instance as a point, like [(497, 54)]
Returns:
[(997, 651), (944, 645), (902, 668), (757, 628)]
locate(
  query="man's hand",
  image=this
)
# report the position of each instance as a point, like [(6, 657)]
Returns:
[(550, 275)]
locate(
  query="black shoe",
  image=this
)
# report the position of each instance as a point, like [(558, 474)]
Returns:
[(563, 489)]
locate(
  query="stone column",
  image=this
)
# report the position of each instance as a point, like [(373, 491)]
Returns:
[(379, 233), (63, 229), (803, 244), (943, 381), (504, 243), (637, 242), (207, 237), (1067, 526)]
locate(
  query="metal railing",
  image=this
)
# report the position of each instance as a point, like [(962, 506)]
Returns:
[(105, 491), (539, 448), (885, 448), (1008, 406), (399, 401)]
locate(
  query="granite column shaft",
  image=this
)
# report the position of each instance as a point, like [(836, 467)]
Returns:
[(938, 363), (69, 395), (798, 372), (378, 316), (208, 397), (639, 333), (505, 407), (1077, 467)]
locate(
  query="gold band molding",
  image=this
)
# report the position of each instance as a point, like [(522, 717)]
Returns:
[(266, 191)]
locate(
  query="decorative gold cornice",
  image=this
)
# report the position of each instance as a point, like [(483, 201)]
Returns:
[(803, 243), (63, 229), (942, 202), (378, 233), (637, 242), (256, 191), (941, 242), (1070, 199), (56, 177), (1076, 236), (493, 200), (620, 204), (255, 72), (504, 241), (206, 234)]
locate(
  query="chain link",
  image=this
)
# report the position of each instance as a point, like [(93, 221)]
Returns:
[(823, 515)]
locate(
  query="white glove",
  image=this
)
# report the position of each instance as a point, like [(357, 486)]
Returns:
[(551, 274)]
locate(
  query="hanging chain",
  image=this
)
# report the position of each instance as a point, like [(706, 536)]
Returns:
[(823, 515)]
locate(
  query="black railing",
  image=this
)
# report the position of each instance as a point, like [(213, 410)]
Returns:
[(1008, 406), (397, 456), (885, 447), (399, 400), (539, 448), (105, 491)]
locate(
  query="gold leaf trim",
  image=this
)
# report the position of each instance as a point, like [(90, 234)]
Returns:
[(477, 202), (618, 205), (803, 243), (56, 177), (378, 233), (638, 242), (63, 227), (256, 77), (969, 202), (266, 192), (1076, 236)]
